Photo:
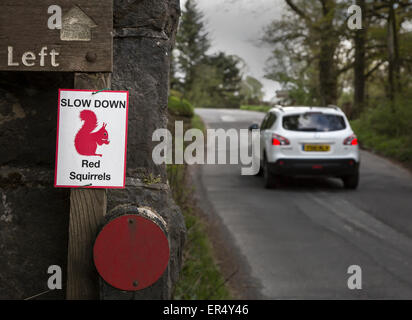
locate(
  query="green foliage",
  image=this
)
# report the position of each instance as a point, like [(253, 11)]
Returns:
[(256, 108), (176, 93), (251, 90), (307, 50), (151, 179), (180, 107), (192, 43), (316, 56), (217, 83), (304, 93), (387, 132), (200, 277), (175, 177), (205, 80), (197, 123), (227, 93), (203, 86)]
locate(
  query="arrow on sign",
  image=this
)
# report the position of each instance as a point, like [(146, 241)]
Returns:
[(77, 26)]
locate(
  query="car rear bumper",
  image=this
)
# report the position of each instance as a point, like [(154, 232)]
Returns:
[(326, 167)]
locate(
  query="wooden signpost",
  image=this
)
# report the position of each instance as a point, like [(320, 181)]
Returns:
[(87, 211), (66, 36), (56, 35)]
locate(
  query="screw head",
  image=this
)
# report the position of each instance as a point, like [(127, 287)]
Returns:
[(135, 283), (91, 57)]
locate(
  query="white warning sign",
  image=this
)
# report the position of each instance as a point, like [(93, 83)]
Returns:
[(91, 139)]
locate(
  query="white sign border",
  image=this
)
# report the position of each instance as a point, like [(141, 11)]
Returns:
[(57, 141)]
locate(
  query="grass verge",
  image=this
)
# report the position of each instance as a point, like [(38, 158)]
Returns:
[(387, 131), (256, 108), (197, 123), (201, 277), (398, 148)]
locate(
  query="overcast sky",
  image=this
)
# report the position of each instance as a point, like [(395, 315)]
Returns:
[(234, 27)]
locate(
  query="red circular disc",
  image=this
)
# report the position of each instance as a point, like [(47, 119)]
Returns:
[(131, 253)]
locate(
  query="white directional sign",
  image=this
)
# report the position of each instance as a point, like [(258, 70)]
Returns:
[(91, 139)]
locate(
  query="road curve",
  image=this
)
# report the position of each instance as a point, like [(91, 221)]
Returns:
[(298, 241)]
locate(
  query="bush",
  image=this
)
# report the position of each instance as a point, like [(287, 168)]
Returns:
[(387, 130), (180, 107), (176, 93)]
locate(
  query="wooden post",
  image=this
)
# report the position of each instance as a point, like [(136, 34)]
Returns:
[(87, 210)]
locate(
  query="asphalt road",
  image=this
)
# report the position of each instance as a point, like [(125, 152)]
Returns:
[(298, 241)]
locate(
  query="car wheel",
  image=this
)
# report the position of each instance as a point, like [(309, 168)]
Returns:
[(269, 178), (351, 182)]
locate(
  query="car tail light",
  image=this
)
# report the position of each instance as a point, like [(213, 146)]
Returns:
[(278, 140), (351, 141)]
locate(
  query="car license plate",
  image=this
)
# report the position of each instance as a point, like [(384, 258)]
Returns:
[(316, 147)]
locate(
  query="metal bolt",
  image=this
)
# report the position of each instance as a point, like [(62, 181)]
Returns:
[(91, 57), (131, 221), (135, 283)]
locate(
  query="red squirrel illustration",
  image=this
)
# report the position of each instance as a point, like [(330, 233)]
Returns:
[(86, 140)]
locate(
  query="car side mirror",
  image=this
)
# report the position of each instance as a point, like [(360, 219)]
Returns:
[(254, 126)]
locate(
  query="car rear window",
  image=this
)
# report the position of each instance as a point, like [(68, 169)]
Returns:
[(314, 122)]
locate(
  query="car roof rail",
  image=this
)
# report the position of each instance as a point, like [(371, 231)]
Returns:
[(278, 106), (333, 107)]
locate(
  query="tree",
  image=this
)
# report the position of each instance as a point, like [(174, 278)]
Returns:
[(252, 90), (203, 91), (379, 48), (217, 82), (205, 80), (192, 44), (360, 38), (308, 39), (228, 91), (393, 13)]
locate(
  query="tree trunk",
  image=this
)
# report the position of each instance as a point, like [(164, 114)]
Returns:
[(360, 63), (393, 55), (328, 77)]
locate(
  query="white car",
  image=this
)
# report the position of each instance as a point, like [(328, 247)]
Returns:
[(298, 141)]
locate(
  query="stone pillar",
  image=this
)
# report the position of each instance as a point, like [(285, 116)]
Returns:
[(144, 36)]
